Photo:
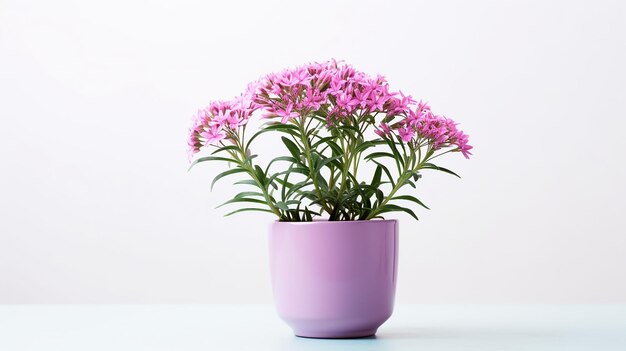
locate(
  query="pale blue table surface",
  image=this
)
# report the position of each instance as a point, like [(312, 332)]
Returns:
[(256, 327)]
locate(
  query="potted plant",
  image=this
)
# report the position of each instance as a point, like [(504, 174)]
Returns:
[(333, 255)]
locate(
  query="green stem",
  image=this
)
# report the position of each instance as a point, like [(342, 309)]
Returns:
[(250, 170), (307, 154), (399, 184), (345, 170)]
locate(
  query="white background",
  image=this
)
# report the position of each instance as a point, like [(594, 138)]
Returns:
[(96, 205)]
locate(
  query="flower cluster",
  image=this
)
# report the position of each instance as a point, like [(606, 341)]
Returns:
[(439, 131), (219, 121), (332, 89), (337, 89)]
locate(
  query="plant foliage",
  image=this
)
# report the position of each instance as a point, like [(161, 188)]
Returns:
[(331, 119)]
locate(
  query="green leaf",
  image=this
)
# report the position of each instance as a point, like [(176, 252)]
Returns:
[(410, 198), (260, 174), (300, 170), (321, 181), (271, 183), (225, 173), (358, 187), (248, 209), (280, 126), (416, 176), (336, 148), (377, 155), (369, 187), (293, 148), (296, 213), (248, 182), (435, 167), (282, 206), (377, 174), (276, 126), (242, 199), (366, 145), (386, 170), (325, 162), (396, 154), (249, 159), (249, 193), (226, 148), (281, 158), (401, 143), (380, 196), (395, 208), (412, 158), (315, 159), (321, 141), (210, 158), (296, 187), (349, 130)]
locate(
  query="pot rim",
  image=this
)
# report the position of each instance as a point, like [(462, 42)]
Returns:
[(323, 222)]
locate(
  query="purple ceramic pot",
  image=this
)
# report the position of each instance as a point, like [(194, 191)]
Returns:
[(334, 279)]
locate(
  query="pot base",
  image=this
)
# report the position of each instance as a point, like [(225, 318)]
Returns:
[(335, 335)]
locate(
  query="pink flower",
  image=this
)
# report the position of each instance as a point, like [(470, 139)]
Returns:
[(346, 101), (220, 118), (336, 86), (286, 114), (213, 134), (313, 100), (397, 106), (234, 120), (362, 97), (406, 133), (384, 130), (377, 103), (193, 142), (293, 77)]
